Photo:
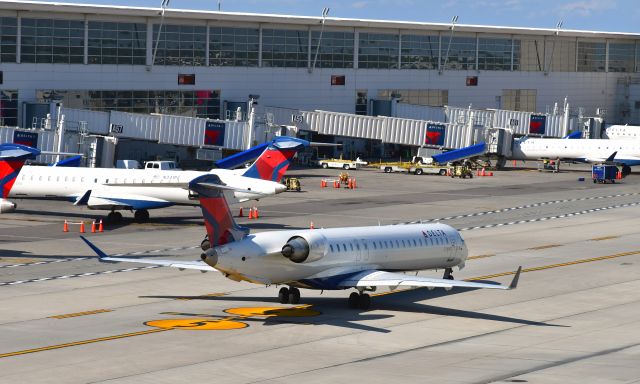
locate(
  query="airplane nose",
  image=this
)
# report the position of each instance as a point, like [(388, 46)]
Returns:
[(281, 188)]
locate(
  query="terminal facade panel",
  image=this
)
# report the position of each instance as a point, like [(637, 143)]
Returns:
[(102, 58)]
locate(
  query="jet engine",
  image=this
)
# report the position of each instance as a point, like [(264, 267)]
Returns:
[(6, 206), (210, 256), (305, 248)]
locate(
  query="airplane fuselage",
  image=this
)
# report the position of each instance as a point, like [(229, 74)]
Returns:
[(72, 183), (628, 151), (336, 253)]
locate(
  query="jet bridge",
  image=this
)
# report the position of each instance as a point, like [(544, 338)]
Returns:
[(460, 154)]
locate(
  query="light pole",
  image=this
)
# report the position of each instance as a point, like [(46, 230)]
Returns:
[(163, 5), (325, 13)]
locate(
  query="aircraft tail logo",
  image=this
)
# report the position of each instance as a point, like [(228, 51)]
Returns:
[(12, 158), (221, 227), (274, 161)]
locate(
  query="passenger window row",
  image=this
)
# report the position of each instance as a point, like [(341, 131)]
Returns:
[(390, 244)]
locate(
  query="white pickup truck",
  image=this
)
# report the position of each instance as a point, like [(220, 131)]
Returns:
[(163, 165)]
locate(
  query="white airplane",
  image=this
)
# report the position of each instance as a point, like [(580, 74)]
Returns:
[(622, 132), (363, 258), (139, 190), (623, 152)]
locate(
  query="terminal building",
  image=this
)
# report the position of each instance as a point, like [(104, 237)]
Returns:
[(204, 64)]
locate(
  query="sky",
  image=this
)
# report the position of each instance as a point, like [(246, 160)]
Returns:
[(593, 15)]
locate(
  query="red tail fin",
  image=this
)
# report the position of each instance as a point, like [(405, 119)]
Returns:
[(221, 227), (274, 161), (12, 158)]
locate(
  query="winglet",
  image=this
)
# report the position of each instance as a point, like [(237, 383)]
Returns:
[(612, 157), (95, 249), (84, 199), (514, 282)]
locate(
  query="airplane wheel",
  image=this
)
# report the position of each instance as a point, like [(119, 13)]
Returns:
[(141, 216), (283, 295), (364, 301), (325, 165), (114, 217), (294, 296), (354, 298)]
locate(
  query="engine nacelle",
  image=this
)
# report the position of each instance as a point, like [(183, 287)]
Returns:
[(210, 256), (7, 206), (305, 248)]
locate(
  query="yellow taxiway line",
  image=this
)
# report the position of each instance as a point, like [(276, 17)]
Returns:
[(80, 314), (125, 335)]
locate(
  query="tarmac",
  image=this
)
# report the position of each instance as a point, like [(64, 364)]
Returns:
[(574, 318)]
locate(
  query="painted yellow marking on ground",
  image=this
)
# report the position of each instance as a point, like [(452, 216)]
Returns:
[(481, 256), (80, 314), (532, 269), (197, 324), (550, 266), (604, 238), (544, 247), (82, 342), (17, 260), (230, 322)]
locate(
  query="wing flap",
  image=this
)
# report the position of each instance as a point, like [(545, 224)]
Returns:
[(391, 279)]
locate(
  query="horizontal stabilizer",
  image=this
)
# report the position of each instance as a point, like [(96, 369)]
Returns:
[(104, 258)]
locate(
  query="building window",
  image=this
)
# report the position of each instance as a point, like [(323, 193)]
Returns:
[(8, 39), (117, 43), (52, 41), (591, 57), (622, 57), (519, 100), (336, 49), (237, 47), (419, 52), (180, 45), (204, 103), (378, 51), (8, 108), (494, 54), (430, 97), (462, 53), (285, 48), (561, 55), (528, 54), (361, 102)]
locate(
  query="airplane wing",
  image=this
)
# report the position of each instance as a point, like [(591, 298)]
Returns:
[(180, 264), (390, 279), (113, 200)]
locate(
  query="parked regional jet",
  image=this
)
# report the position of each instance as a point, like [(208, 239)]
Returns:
[(622, 132), (363, 258), (143, 189), (624, 152), (12, 159)]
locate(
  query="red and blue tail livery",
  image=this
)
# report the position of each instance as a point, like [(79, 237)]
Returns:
[(221, 227), (12, 158), (274, 161)]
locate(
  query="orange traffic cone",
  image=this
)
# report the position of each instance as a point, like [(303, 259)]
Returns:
[(311, 225), (65, 227), (250, 213), (82, 227), (240, 214), (93, 227), (100, 227), (484, 172), (256, 215), (490, 173), (350, 184), (355, 184)]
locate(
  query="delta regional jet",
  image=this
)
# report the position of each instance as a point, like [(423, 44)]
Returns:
[(363, 258), (140, 190)]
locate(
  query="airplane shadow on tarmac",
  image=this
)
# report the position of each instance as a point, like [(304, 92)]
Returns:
[(335, 312)]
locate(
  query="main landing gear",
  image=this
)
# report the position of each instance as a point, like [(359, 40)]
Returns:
[(358, 300), (448, 274), (289, 295), (114, 217), (141, 216)]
